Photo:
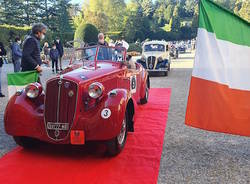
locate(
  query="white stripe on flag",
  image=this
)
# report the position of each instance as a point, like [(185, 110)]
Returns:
[(13, 89), (222, 61)]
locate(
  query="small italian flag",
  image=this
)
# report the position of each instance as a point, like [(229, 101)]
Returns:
[(18, 81), (219, 97)]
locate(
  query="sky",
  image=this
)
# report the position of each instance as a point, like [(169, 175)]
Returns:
[(77, 1)]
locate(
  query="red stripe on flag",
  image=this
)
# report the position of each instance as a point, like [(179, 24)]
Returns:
[(215, 107)]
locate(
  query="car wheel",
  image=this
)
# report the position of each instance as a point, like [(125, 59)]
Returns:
[(166, 73), (116, 145), (26, 142), (169, 67), (144, 100)]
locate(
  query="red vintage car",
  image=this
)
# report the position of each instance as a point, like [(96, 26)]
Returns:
[(92, 99)]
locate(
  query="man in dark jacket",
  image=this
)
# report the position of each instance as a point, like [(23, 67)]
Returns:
[(59, 47), (54, 55), (16, 54), (2, 55), (31, 59)]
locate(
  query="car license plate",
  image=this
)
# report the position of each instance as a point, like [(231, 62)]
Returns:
[(57, 126)]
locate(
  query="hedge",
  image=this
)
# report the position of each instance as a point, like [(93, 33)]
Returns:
[(134, 47), (8, 33), (87, 33)]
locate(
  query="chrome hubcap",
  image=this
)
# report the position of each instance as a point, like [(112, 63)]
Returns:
[(121, 136)]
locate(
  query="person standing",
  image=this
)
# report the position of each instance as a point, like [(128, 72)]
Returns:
[(59, 47), (2, 55), (16, 54), (31, 58), (101, 40), (54, 56), (46, 53)]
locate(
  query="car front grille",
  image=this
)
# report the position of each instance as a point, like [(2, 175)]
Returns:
[(151, 62), (60, 107)]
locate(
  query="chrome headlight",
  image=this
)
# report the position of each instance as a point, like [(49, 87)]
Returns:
[(33, 90), (95, 90)]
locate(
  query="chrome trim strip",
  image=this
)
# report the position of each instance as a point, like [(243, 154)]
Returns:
[(58, 100)]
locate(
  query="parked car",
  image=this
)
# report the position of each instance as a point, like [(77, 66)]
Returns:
[(155, 56), (182, 49), (93, 99)]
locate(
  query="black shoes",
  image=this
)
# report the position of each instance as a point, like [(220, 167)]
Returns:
[(2, 95)]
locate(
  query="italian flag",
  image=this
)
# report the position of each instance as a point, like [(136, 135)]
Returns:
[(18, 81), (219, 97)]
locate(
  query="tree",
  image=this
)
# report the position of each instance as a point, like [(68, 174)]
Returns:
[(147, 8), (20, 12), (168, 13), (133, 22), (238, 5), (175, 20), (115, 11), (245, 11), (99, 19), (87, 33), (64, 21)]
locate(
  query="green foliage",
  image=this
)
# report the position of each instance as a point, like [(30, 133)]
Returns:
[(245, 10), (87, 33), (53, 13), (99, 19), (9, 33), (134, 47), (133, 20), (147, 8)]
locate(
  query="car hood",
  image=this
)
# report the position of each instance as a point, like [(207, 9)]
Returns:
[(86, 72)]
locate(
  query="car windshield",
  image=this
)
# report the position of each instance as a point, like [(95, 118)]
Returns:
[(116, 54), (85, 54), (154, 47)]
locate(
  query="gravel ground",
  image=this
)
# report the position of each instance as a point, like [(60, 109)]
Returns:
[(189, 155)]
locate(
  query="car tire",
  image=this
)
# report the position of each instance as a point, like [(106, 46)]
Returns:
[(166, 73), (169, 67), (144, 100), (26, 142), (116, 145)]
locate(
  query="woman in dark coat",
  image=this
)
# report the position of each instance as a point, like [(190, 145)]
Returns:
[(2, 55)]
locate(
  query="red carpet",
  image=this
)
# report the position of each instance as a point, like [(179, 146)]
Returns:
[(138, 163)]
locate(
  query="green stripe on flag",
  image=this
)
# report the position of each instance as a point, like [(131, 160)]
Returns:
[(226, 25), (22, 78)]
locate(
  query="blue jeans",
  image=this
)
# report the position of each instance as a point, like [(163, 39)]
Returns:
[(0, 79), (17, 65)]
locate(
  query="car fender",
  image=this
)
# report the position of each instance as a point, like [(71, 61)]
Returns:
[(23, 116), (144, 82), (99, 127), (117, 101)]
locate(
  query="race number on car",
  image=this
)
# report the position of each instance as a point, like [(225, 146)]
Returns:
[(133, 84)]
